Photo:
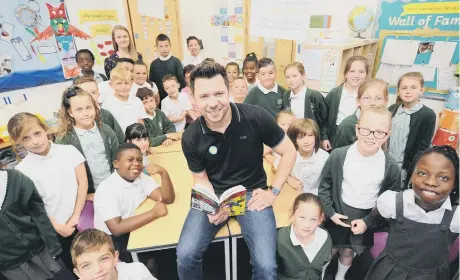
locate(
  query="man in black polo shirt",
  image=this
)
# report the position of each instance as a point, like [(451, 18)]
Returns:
[(224, 148)]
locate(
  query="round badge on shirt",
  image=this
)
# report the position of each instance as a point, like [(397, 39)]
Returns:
[(212, 150)]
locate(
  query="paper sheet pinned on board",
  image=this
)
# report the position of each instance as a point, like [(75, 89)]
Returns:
[(384, 72), (446, 78), (312, 60), (280, 19), (329, 70), (400, 52), (21, 48), (391, 73), (151, 8), (442, 53)]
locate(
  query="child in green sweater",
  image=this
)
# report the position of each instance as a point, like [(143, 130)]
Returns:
[(373, 92), (267, 94), (161, 130), (303, 247)]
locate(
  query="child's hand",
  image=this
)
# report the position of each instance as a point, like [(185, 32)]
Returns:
[(337, 219), (173, 136), (160, 210), (153, 169), (183, 114), (294, 183), (65, 230), (167, 142), (358, 226), (326, 145), (73, 221)]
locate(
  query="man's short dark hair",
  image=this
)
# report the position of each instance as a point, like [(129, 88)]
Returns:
[(161, 38), (208, 70), (84, 51), (125, 59), (123, 147)]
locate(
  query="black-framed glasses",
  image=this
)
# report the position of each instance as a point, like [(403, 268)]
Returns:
[(377, 134)]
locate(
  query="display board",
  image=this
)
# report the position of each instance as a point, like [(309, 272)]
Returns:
[(146, 27), (97, 18), (39, 39), (420, 36)]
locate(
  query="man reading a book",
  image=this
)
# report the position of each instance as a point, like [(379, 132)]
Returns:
[(224, 148)]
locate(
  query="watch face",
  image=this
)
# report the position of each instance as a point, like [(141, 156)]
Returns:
[(275, 191)]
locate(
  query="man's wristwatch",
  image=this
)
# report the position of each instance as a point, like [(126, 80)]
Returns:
[(274, 190)]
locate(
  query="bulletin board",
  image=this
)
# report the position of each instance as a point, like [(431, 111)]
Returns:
[(39, 39), (147, 27), (97, 18), (429, 29)]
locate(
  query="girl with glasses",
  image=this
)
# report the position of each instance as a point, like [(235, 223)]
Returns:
[(352, 179), (373, 92)]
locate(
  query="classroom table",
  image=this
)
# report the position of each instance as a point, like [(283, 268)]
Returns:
[(175, 147), (164, 232), (282, 209)]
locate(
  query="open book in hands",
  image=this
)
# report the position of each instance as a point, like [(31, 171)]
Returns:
[(232, 200)]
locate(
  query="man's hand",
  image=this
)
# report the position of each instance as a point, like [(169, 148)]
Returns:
[(261, 199), (294, 183), (218, 218)]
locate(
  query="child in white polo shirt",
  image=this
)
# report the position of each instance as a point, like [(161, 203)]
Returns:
[(352, 179), (94, 257), (58, 172), (118, 196), (176, 105), (125, 108), (305, 135)]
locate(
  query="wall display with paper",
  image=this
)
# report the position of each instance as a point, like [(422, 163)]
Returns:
[(414, 36)]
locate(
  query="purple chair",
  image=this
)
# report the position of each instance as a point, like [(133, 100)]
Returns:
[(86, 217)]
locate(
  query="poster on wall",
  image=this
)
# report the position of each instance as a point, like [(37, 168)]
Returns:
[(97, 18), (418, 35), (39, 39)]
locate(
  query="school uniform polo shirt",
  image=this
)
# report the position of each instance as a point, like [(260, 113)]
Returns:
[(308, 171), (176, 108), (94, 151), (236, 156), (362, 178), (55, 179), (347, 105), (116, 197), (312, 249), (298, 103), (104, 91), (99, 78), (386, 204), (126, 113), (133, 271)]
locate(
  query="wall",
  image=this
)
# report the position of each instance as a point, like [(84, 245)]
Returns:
[(195, 20)]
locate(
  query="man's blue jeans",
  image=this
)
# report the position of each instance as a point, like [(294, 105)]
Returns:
[(259, 232)]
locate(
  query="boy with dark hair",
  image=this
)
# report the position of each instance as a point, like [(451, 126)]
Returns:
[(85, 60), (94, 257), (161, 130), (165, 64), (118, 196), (267, 94)]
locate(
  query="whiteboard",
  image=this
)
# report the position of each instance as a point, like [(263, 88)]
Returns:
[(97, 19)]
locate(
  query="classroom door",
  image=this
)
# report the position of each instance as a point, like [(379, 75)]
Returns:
[(284, 54)]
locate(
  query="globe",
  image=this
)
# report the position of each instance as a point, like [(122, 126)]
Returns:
[(359, 19)]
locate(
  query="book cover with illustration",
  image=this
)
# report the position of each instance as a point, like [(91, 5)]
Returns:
[(232, 200)]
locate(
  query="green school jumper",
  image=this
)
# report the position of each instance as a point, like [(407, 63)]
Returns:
[(332, 101), (110, 144), (158, 128), (271, 102), (315, 109), (293, 264), (345, 134)]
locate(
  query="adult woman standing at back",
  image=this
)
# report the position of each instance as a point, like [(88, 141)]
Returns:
[(122, 46)]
